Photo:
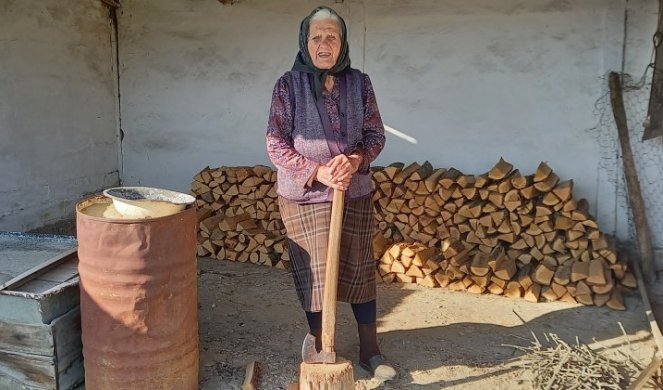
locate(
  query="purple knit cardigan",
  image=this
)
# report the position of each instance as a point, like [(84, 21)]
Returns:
[(297, 141)]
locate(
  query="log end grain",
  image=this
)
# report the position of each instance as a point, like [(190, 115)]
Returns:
[(337, 376)]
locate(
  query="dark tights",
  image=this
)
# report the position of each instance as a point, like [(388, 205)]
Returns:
[(365, 315)]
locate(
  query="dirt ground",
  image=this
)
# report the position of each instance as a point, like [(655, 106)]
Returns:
[(436, 338)]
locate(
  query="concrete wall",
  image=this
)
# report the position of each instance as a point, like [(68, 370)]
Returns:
[(648, 154), (471, 81), (58, 108)]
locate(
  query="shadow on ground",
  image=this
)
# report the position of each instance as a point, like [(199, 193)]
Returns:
[(436, 338)]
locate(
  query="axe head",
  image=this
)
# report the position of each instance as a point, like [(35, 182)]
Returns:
[(311, 356)]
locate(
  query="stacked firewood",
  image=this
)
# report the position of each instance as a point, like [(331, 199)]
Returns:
[(410, 263), (238, 215), (500, 232)]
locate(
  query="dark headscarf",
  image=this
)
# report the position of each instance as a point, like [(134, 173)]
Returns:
[(303, 62)]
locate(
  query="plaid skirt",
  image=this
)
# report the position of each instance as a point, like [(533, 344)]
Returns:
[(307, 229)]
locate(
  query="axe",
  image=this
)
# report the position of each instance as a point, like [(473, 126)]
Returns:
[(328, 355)]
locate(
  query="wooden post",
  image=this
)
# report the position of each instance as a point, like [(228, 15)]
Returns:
[(654, 125), (631, 175), (649, 312), (646, 374)]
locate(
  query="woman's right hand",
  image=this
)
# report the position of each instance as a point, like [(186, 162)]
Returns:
[(325, 176)]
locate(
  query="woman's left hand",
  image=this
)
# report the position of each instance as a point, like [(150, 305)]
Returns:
[(343, 167)]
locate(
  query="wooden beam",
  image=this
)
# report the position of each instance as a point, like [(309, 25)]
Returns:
[(654, 122), (40, 269), (653, 325), (646, 374), (632, 182)]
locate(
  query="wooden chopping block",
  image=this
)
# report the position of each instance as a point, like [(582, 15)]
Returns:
[(336, 376)]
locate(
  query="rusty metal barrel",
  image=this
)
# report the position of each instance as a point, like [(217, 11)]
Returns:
[(138, 300)]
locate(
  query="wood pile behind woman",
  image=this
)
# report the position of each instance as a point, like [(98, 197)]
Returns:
[(239, 215), (500, 232)]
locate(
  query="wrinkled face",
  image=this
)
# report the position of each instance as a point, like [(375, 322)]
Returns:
[(324, 43)]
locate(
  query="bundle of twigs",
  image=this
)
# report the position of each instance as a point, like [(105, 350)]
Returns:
[(567, 366)]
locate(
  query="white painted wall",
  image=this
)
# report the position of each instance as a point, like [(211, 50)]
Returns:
[(58, 108), (196, 81), (648, 154), (470, 80), (473, 81)]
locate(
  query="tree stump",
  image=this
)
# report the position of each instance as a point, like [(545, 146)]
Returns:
[(337, 376)]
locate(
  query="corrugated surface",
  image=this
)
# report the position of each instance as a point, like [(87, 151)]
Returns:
[(138, 301)]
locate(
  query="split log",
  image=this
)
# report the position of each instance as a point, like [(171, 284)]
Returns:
[(513, 290), (533, 293), (584, 294), (500, 170), (542, 172), (543, 275), (480, 265)]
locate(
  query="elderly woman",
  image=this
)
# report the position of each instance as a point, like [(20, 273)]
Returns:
[(324, 130)]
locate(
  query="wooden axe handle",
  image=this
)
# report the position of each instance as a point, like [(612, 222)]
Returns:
[(331, 274)]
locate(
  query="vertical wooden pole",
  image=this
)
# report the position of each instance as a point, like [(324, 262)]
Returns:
[(654, 126), (632, 182)]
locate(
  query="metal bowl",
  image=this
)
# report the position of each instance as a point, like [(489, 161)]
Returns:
[(147, 202)]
